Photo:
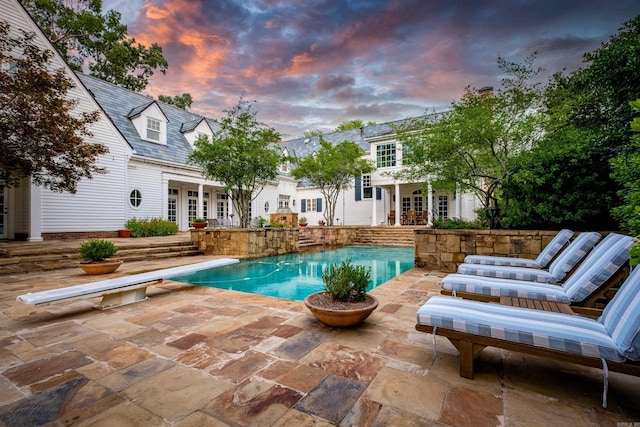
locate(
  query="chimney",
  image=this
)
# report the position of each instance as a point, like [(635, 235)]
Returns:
[(486, 91)]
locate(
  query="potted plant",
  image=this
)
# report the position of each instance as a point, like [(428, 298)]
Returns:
[(199, 223), (96, 254), (321, 223), (344, 301), (124, 232), (302, 221)]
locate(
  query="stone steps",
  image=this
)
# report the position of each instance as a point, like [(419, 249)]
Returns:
[(33, 258), (386, 236)]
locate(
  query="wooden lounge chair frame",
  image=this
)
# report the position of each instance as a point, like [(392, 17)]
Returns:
[(469, 345)]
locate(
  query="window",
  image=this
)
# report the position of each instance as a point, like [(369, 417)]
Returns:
[(192, 209), (443, 207), (266, 207), (311, 205), (172, 211), (205, 205), (153, 129), (406, 204), (221, 205), (284, 166), (367, 190), (283, 201), (135, 198), (386, 155)]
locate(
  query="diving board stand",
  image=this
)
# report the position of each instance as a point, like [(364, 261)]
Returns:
[(120, 290)]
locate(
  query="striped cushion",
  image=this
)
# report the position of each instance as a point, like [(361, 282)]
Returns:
[(621, 317), (554, 246), (558, 269), (557, 331), (504, 287), (600, 265), (543, 259), (609, 256), (575, 252)]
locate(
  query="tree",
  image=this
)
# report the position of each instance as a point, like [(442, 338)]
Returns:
[(353, 124), (332, 169), (86, 37), (588, 126), (241, 155), (474, 144), (183, 101), (626, 171), (39, 137), (312, 133)]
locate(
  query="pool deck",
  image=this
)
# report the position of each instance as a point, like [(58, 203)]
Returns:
[(194, 356)]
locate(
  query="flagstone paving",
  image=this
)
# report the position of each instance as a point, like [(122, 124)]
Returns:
[(193, 356)]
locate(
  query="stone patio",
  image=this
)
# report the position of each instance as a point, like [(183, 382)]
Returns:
[(193, 356)]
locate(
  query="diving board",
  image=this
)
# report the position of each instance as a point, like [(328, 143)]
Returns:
[(120, 290)]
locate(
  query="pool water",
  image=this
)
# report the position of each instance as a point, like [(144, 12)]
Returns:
[(294, 276)]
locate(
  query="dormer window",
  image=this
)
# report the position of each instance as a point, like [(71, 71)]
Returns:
[(153, 129)]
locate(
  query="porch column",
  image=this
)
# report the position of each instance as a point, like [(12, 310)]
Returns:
[(165, 199), (200, 200), (35, 214), (430, 203), (374, 208), (458, 202), (397, 204)]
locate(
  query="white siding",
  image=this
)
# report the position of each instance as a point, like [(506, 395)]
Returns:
[(98, 203)]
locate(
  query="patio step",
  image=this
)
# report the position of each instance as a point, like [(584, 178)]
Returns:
[(386, 236), (32, 258)]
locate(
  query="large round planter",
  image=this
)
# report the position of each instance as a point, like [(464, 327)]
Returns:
[(341, 317), (198, 225), (100, 267), (125, 232)]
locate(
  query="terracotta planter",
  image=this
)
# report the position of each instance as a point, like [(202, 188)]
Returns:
[(340, 318), (302, 224), (101, 267), (125, 232), (198, 225)]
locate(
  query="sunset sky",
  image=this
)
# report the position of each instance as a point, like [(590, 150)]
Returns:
[(313, 64)]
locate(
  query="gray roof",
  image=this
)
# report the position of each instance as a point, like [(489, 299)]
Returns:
[(120, 104)]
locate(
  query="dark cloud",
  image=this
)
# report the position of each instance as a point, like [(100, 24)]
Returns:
[(314, 64)]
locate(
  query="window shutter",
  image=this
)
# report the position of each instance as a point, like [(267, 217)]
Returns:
[(319, 204), (303, 205), (358, 185), (378, 193)]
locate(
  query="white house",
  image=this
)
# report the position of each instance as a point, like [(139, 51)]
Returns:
[(148, 175), (372, 197)]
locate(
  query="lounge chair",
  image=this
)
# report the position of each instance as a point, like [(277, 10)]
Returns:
[(604, 266), (542, 261), (566, 261), (611, 342)]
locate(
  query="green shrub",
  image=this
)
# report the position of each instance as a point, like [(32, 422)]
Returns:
[(346, 282), (97, 250), (199, 220), (457, 224), (149, 227), (635, 254)]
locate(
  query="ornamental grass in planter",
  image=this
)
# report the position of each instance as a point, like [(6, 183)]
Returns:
[(96, 254), (344, 301)]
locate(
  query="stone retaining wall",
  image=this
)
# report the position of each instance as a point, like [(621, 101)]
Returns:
[(444, 250), (331, 236), (246, 242)]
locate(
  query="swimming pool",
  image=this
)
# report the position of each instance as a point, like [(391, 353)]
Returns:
[(294, 276)]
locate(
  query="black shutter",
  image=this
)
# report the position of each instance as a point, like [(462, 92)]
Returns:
[(358, 186), (378, 193), (319, 204), (303, 205)]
